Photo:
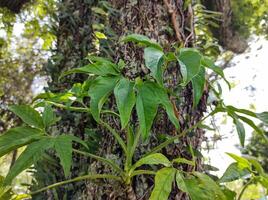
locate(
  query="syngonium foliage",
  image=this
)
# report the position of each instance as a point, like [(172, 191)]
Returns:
[(142, 96)]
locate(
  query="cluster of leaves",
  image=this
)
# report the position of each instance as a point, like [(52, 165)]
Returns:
[(146, 94)]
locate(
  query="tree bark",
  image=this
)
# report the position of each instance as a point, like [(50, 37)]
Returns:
[(14, 5), (74, 42), (228, 37), (153, 18)]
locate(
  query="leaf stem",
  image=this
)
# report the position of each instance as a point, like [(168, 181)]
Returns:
[(182, 134), (244, 189), (105, 160), (80, 178), (116, 135)]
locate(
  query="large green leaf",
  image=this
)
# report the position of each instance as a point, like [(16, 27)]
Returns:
[(206, 62), (211, 186), (232, 173), (49, 117), (163, 183), (18, 137), (199, 187), (32, 153), (198, 83), (190, 62), (141, 39), (99, 91), (153, 159), (150, 95), (125, 99), (241, 131), (153, 60), (63, 147), (28, 115)]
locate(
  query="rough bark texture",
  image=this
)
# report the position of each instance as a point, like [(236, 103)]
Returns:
[(153, 18), (13, 5), (228, 38), (169, 22), (74, 42)]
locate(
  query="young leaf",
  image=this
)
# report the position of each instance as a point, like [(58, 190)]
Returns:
[(18, 137), (184, 160), (49, 117), (243, 163), (153, 159), (125, 99), (206, 62), (163, 184), (198, 83), (63, 147), (99, 91), (232, 173), (28, 115), (153, 60), (141, 39), (189, 60), (32, 153)]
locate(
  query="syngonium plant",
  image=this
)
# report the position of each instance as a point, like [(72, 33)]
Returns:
[(142, 95)]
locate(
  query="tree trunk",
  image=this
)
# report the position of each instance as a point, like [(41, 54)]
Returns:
[(170, 22), (154, 18), (74, 42), (228, 37)]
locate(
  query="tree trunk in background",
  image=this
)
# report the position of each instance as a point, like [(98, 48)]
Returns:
[(14, 5), (155, 19), (74, 42), (228, 37)]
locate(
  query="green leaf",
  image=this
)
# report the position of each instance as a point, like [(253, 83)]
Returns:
[(153, 60), (63, 147), (240, 130), (142, 40), (125, 99), (198, 83), (184, 160), (210, 186), (189, 60), (180, 181), (101, 69), (150, 95), (232, 173), (206, 62), (163, 184), (32, 153), (239, 126), (18, 137), (28, 115), (99, 91), (263, 117), (243, 163), (146, 106), (153, 159), (77, 139), (49, 117)]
